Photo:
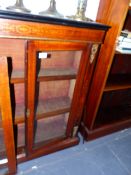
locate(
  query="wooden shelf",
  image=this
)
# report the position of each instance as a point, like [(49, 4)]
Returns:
[(57, 74), (46, 108), (19, 114), (117, 82), (19, 135), (54, 106), (53, 128), (17, 76), (112, 115), (101, 130)]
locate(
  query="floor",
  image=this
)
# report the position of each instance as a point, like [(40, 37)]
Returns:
[(109, 155)]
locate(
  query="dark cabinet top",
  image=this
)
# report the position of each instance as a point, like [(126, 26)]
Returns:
[(51, 20)]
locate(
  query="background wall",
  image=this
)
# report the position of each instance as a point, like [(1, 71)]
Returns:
[(66, 7)]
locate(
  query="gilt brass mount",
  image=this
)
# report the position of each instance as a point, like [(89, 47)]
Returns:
[(94, 50)]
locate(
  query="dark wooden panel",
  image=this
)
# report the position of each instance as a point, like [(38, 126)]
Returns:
[(127, 24), (121, 64), (118, 81), (115, 106)]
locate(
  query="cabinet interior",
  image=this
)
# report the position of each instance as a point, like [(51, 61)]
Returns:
[(115, 106)]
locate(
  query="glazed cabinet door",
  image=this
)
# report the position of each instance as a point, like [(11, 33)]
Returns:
[(58, 78)]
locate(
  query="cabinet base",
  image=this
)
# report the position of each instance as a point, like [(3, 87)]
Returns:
[(50, 148), (47, 149), (103, 130)]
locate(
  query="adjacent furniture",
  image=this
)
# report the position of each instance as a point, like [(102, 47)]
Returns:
[(108, 104)]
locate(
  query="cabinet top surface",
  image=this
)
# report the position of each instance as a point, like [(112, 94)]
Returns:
[(51, 20)]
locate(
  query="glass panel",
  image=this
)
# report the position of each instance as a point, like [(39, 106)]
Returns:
[(57, 72), (58, 63), (52, 109), (20, 140), (3, 157), (19, 99), (54, 97), (51, 128)]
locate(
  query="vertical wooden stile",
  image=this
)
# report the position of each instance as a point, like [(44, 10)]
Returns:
[(6, 111)]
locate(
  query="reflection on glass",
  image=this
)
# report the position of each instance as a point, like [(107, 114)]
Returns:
[(19, 90), (3, 157), (55, 85), (21, 135), (59, 63), (50, 128)]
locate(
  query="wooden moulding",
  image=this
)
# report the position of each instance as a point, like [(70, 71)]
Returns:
[(104, 129), (50, 148), (54, 146), (34, 30)]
